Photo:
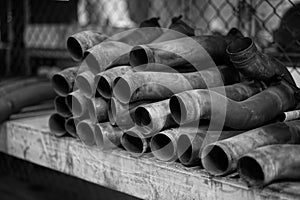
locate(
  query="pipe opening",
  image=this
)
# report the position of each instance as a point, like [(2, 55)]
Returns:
[(122, 90), (133, 143), (71, 127), (85, 132), (216, 160), (142, 117), (251, 170), (162, 147), (61, 106), (85, 86), (60, 85), (57, 124), (74, 48), (185, 149), (104, 87), (138, 56), (239, 44), (99, 137), (92, 62), (177, 109)]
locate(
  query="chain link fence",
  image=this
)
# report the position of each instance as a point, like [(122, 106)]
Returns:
[(33, 32)]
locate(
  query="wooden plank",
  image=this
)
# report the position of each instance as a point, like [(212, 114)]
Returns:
[(144, 177)]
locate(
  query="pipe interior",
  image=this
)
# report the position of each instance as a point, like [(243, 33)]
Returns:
[(57, 123), (71, 127), (184, 149), (74, 48), (61, 106), (60, 84), (133, 143), (251, 170), (98, 136), (122, 90), (84, 86), (177, 109), (216, 160), (142, 117), (239, 44), (86, 133), (162, 147), (138, 56), (104, 87)]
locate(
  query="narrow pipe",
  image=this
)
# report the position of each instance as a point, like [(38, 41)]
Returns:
[(70, 126), (256, 65), (289, 116), (85, 83), (25, 96), (107, 136), (221, 157), (98, 109), (63, 81), (61, 106), (77, 102), (78, 43), (56, 125), (270, 163), (85, 132), (205, 51), (253, 112), (104, 80), (161, 85), (135, 142)]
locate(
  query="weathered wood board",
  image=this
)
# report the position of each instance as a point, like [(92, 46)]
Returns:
[(144, 177)]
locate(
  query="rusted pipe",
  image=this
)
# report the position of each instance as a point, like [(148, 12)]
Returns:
[(70, 126), (161, 85), (56, 125), (253, 112), (107, 136), (256, 65), (98, 109), (221, 157), (104, 80), (63, 81), (61, 106), (85, 132), (78, 103), (135, 142), (204, 51), (78, 43), (270, 163)]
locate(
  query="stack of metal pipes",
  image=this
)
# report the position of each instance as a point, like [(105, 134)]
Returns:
[(211, 101)]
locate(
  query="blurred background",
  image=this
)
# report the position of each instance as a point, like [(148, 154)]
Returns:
[(33, 32)]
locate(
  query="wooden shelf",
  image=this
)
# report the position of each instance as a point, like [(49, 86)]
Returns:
[(145, 177)]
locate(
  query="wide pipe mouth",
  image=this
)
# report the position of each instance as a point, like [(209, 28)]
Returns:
[(57, 125), (240, 45), (251, 170), (142, 117), (98, 136), (61, 106), (75, 48), (122, 90), (134, 142), (139, 55), (70, 126), (60, 85), (92, 62), (184, 149), (178, 109), (104, 87), (163, 147), (215, 159), (85, 83), (85, 131)]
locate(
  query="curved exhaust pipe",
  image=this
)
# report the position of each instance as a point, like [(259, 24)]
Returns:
[(63, 81), (78, 43), (135, 142), (98, 109), (107, 136), (56, 125), (270, 163), (161, 85), (85, 132), (104, 80), (193, 105), (178, 52), (78, 103), (220, 158), (61, 106)]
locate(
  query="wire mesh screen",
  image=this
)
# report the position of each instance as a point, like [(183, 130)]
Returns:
[(46, 24)]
